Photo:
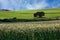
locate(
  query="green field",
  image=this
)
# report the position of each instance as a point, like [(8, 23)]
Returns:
[(46, 30), (37, 30), (28, 14)]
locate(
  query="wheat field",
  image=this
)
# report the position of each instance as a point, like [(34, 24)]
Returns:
[(44, 30)]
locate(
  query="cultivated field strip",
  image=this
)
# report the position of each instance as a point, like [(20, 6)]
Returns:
[(29, 25), (47, 30)]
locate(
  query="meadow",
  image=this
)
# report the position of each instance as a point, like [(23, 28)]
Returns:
[(38, 30), (28, 14), (44, 30)]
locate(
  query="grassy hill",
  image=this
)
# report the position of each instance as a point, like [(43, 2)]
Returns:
[(41, 30), (28, 14)]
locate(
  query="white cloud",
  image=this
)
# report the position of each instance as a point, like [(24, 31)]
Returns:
[(21, 4), (39, 5), (28, 4), (10, 4)]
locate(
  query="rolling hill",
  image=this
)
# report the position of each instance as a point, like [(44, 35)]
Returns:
[(28, 14)]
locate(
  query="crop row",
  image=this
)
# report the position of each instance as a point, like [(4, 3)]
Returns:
[(29, 31)]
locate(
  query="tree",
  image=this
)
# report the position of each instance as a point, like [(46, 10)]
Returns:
[(39, 14)]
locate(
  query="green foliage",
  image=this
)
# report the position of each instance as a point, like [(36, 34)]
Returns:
[(37, 34), (30, 31), (28, 14)]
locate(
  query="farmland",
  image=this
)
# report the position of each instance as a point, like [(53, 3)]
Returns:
[(44, 30), (28, 14), (37, 30)]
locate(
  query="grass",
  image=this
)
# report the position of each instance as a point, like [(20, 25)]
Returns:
[(30, 31), (28, 14)]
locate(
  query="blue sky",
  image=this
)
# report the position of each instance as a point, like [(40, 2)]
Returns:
[(28, 4)]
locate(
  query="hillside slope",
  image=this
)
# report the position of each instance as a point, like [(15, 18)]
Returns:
[(28, 14)]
